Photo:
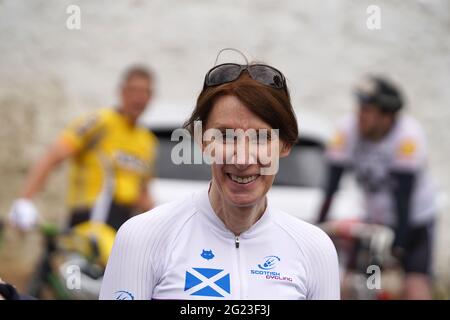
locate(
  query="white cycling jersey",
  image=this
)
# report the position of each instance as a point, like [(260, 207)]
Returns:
[(403, 149), (182, 250)]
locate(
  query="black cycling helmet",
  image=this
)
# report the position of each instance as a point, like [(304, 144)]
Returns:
[(380, 92)]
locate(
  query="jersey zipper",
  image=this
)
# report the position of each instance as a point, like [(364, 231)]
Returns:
[(238, 252)]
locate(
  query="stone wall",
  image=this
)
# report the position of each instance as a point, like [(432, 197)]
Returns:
[(49, 73)]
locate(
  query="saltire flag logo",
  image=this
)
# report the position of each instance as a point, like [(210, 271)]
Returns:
[(207, 282)]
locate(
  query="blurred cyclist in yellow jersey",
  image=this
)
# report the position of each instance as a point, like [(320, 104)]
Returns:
[(111, 161)]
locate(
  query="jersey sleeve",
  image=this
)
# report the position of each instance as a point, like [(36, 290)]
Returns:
[(340, 147), (129, 274), (323, 274), (410, 151), (83, 131)]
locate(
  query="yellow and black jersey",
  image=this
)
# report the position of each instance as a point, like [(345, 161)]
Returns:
[(112, 155)]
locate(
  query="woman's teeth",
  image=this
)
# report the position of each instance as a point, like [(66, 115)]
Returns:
[(243, 180)]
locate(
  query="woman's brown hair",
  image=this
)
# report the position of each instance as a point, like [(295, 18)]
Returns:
[(270, 104)]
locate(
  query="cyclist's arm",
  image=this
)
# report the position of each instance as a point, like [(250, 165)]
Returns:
[(410, 158), (404, 182), (37, 177), (339, 154), (72, 140), (335, 172)]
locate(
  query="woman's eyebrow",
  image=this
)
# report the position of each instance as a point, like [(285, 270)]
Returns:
[(223, 127), (261, 133)]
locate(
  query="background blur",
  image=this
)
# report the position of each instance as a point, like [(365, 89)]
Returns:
[(49, 74)]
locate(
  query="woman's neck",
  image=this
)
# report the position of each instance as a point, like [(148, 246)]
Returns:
[(236, 219)]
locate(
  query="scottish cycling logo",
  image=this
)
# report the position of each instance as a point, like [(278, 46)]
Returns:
[(123, 295), (270, 263), (207, 282)]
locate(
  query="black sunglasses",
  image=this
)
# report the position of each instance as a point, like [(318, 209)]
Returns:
[(229, 72)]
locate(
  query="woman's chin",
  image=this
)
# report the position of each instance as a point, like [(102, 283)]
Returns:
[(243, 200)]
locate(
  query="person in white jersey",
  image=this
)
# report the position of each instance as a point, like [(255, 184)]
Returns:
[(386, 150), (227, 241)]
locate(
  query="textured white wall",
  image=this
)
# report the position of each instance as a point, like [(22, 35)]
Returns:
[(49, 73)]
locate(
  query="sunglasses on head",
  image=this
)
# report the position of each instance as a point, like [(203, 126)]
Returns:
[(229, 72)]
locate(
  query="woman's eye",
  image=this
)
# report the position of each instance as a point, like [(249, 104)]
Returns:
[(254, 139), (264, 138), (228, 138)]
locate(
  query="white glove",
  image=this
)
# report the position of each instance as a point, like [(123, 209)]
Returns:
[(23, 214)]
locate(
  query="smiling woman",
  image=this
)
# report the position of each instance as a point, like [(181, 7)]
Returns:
[(254, 251)]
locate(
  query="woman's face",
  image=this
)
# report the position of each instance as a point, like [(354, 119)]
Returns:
[(239, 177)]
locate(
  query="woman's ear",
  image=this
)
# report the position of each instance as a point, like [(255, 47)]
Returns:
[(285, 149)]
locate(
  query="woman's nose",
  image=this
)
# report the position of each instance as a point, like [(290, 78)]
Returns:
[(245, 155)]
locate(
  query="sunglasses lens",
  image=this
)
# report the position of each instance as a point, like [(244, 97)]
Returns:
[(229, 72), (266, 75), (223, 73)]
